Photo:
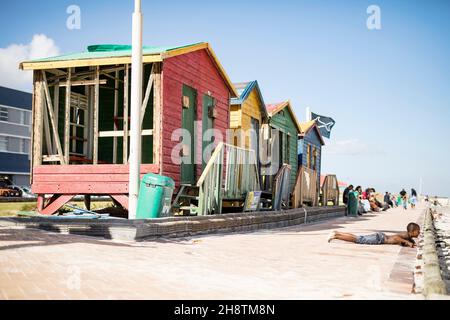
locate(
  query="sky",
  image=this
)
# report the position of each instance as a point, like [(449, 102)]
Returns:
[(387, 89)]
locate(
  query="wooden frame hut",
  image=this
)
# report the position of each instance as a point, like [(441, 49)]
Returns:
[(81, 116)]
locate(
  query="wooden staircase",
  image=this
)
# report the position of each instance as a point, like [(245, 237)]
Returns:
[(230, 173), (186, 201)]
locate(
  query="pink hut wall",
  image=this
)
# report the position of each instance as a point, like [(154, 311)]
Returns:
[(197, 70)]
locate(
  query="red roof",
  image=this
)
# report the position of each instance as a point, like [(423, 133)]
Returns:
[(341, 184), (273, 106)]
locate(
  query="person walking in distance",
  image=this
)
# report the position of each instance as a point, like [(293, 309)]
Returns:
[(404, 197)]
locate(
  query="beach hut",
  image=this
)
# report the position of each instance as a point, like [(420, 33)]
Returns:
[(282, 134), (81, 116), (310, 144), (247, 115)]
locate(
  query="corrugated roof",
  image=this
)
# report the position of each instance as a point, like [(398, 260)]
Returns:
[(15, 98), (110, 51)]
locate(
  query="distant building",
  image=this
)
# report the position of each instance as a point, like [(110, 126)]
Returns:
[(15, 135)]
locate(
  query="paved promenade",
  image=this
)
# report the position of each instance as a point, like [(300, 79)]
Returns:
[(290, 263)]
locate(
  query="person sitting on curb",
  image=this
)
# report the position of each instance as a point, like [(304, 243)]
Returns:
[(402, 238)]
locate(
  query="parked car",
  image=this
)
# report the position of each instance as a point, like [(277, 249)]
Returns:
[(9, 191), (25, 191)]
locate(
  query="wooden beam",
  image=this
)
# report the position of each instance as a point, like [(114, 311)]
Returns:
[(52, 117), (125, 114), (38, 108), (157, 115), (67, 117), (80, 83), (147, 94), (116, 134), (116, 113), (85, 62), (56, 106), (48, 140), (51, 158), (96, 113)]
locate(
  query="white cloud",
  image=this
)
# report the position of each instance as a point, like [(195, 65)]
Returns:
[(351, 147), (10, 57)]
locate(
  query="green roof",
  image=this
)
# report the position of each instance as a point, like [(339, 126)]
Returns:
[(110, 51)]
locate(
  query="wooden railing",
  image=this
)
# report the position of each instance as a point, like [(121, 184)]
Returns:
[(230, 174)]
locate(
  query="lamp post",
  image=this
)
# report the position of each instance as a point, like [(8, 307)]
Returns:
[(136, 101)]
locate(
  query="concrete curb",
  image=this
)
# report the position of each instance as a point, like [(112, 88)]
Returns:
[(433, 283), (176, 226)]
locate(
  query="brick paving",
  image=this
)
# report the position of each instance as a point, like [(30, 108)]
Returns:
[(289, 263)]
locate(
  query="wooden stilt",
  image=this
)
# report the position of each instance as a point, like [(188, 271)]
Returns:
[(87, 201), (40, 202)]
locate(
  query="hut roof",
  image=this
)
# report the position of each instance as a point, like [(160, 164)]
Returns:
[(275, 108), (108, 54), (306, 127), (244, 89)]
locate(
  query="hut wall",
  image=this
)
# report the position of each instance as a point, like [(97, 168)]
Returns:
[(284, 122), (197, 70)]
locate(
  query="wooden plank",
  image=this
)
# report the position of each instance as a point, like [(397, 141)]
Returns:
[(91, 169), (125, 114), (82, 83), (52, 117), (96, 113), (51, 158), (86, 62), (147, 94), (48, 140), (72, 177), (67, 117), (80, 188), (157, 115), (116, 113), (116, 134)]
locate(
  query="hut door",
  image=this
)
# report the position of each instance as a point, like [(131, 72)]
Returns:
[(188, 151), (207, 123)]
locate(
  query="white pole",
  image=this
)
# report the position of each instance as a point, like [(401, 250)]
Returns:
[(136, 101), (308, 114)]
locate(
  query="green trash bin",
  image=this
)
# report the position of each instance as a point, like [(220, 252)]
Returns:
[(155, 196)]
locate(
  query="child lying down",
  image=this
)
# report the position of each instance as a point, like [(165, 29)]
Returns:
[(402, 238)]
